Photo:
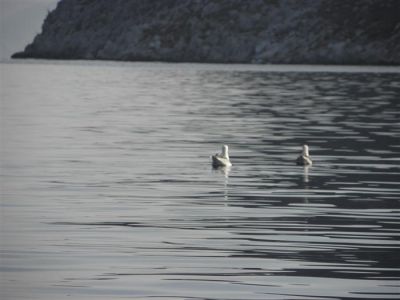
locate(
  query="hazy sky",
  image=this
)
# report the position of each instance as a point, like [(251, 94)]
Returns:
[(20, 21)]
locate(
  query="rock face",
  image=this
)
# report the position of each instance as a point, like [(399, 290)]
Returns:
[(239, 31)]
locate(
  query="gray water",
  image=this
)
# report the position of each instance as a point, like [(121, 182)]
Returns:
[(107, 190)]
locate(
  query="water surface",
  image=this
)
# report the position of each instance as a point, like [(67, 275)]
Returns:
[(107, 191)]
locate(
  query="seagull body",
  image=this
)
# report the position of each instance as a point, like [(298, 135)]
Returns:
[(304, 159), (221, 159)]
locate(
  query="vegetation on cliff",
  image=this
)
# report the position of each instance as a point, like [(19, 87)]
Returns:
[(239, 31)]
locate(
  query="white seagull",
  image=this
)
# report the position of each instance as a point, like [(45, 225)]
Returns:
[(221, 159), (304, 159)]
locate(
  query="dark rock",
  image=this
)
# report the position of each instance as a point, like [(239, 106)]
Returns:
[(239, 31)]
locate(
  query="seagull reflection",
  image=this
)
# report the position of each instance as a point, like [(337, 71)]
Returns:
[(225, 171), (305, 175), (305, 181)]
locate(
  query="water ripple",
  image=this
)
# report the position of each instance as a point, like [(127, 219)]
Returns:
[(108, 192)]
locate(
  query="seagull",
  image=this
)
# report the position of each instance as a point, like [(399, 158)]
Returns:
[(304, 159), (221, 159)]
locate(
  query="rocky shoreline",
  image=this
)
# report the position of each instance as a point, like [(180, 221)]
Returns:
[(224, 31)]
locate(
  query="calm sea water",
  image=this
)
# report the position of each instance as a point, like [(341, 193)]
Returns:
[(107, 191)]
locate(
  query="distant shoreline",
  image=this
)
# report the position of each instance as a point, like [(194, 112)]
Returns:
[(325, 32), (17, 57), (329, 68)]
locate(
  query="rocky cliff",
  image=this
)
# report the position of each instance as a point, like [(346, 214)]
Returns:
[(239, 31)]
